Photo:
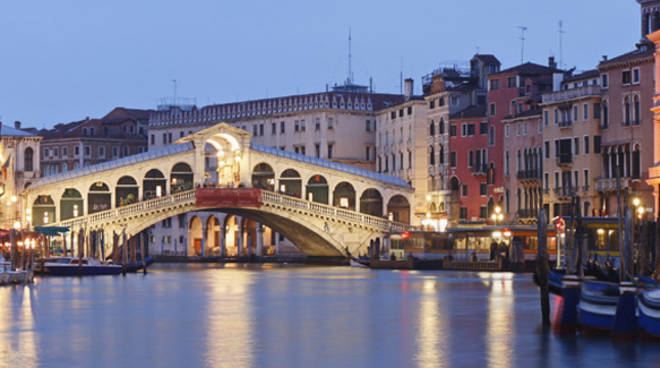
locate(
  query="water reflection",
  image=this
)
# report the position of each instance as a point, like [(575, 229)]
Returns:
[(432, 324), (18, 345), (501, 321)]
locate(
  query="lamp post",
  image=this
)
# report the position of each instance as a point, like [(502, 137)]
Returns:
[(498, 215)]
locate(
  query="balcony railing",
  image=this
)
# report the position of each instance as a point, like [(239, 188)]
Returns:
[(564, 159), (480, 169), (569, 94), (528, 213), (529, 175), (565, 124)]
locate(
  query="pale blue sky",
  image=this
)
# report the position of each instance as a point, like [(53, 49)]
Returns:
[(63, 60)]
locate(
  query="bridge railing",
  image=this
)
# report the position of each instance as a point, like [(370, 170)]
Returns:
[(131, 209), (327, 210)]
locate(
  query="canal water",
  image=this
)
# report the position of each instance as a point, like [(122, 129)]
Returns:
[(291, 316)]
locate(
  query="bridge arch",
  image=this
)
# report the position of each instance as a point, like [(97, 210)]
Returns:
[(316, 189), (194, 236), (344, 195), (154, 184), (181, 177), (231, 234), (212, 235), (126, 191), (371, 202), (43, 210), (99, 197), (263, 177), (71, 204), (290, 183), (398, 209)]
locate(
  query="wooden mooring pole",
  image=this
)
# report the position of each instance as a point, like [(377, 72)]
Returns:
[(543, 268), (141, 239)]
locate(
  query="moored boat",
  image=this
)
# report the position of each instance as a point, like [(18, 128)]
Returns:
[(66, 266), (648, 304), (598, 305)]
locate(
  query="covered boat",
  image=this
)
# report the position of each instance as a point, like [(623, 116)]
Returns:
[(67, 266)]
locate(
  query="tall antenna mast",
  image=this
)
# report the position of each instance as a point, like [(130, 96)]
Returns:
[(561, 51), (349, 80), (401, 78), (522, 46), (174, 83)]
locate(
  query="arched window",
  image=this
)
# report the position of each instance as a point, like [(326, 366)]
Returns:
[(29, 153), (441, 128), (636, 110), (491, 136), (626, 110), (432, 156), (432, 129), (606, 120)]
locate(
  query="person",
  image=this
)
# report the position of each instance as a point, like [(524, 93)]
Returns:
[(493, 250)]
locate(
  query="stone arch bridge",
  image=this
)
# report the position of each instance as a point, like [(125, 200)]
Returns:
[(322, 206)]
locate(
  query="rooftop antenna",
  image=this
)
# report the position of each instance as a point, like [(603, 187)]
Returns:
[(349, 80), (561, 51), (401, 78), (522, 46), (174, 83)]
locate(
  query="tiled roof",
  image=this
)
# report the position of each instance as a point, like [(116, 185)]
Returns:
[(632, 55), (530, 68), (122, 114), (470, 112), (487, 58), (593, 73), (8, 131), (168, 150), (329, 165)]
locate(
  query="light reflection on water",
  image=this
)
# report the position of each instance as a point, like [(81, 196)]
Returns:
[(279, 316)]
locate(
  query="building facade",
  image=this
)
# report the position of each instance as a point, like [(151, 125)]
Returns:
[(572, 158)]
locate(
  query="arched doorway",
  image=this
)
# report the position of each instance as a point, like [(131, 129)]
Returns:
[(212, 236), (344, 196), (43, 211), (399, 209), (454, 184), (317, 189), (249, 237), (154, 184), (222, 155), (195, 236), (181, 178), (71, 204), (263, 177), (126, 191), (231, 236), (291, 183), (98, 198), (371, 202)]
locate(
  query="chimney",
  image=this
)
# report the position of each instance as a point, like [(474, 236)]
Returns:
[(437, 83), (408, 90), (551, 62), (17, 124), (604, 57)]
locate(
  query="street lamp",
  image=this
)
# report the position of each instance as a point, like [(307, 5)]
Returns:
[(498, 215)]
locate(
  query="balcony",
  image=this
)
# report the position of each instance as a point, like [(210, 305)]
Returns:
[(609, 184), (569, 94), (564, 159), (480, 169), (529, 176), (565, 124), (565, 192), (528, 213)]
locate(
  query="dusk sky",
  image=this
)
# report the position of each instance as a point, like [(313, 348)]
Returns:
[(64, 60)]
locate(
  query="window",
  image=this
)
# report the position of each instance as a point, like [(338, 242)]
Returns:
[(546, 181), (483, 190), (635, 76), (393, 115), (432, 129), (576, 145), (441, 156), (507, 167), (494, 84), (273, 128), (169, 137), (463, 213), (470, 158), (367, 153), (88, 150), (65, 151), (331, 123), (636, 121), (604, 80), (330, 146), (586, 144), (255, 130), (626, 110), (164, 138), (492, 109), (317, 124), (367, 126), (625, 77), (302, 125), (605, 119), (28, 159), (101, 151), (409, 110), (545, 117), (431, 156), (400, 112), (470, 129), (585, 111), (410, 159), (464, 190), (452, 159), (432, 104), (317, 150), (597, 110), (511, 82), (586, 179), (153, 139), (556, 116), (507, 129), (441, 126), (464, 130), (181, 134), (115, 151), (597, 144), (575, 113), (282, 130), (441, 101), (491, 136), (525, 128), (452, 130), (261, 130), (483, 128)]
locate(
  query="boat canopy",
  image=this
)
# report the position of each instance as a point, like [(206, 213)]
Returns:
[(51, 230)]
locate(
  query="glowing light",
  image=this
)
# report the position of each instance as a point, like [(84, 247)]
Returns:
[(13, 198), (600, 231), (498, 209), (28, 211), (497, 234), (75, 210), (159, 191), (507, 234), (282, 188), (636, 202), (17, 225), (428, 198)]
